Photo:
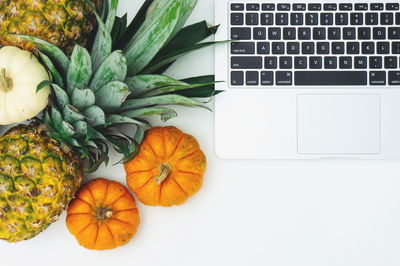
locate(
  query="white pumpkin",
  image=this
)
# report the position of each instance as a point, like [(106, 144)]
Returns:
[(20, 74)]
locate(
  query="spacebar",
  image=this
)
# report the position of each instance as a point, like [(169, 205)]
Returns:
[(330, 78)]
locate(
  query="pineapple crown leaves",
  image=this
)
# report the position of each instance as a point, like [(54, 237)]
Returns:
[(119, 81)]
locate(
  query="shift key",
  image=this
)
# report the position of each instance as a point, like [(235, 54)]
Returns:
[(246, 62)]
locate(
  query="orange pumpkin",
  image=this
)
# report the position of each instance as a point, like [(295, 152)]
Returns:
[(168, 169), (103, 215)]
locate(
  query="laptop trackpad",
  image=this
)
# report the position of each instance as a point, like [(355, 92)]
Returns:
[(338, 124)]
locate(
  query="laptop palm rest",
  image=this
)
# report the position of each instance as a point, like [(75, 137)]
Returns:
[(334, 124)]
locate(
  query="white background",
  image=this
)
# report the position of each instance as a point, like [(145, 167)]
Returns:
[(275, 213)]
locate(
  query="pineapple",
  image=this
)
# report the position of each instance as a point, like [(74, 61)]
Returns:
[(37, 181), (61, 22), (93, 95)]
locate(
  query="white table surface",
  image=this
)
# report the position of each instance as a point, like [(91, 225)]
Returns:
[(275, 213)]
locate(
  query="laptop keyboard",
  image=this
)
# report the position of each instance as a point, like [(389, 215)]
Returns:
[(328, 44)]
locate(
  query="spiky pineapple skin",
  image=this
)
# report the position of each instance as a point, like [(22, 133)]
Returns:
[(63, 23), (37, 181)]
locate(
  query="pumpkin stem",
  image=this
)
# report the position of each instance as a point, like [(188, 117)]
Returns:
[(164, 170), (6, 83), (103, 213)]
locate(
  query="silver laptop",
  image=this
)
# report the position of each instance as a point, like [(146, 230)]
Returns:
[(308, 79)]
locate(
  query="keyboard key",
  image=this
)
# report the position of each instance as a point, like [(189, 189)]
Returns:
[(242, 48), (270, 62), (267, 78), (390, 62), (299, 7), (364, 33), (394, 33), (386, 18), (330, 7), (379, 33), (314, 7), (371, 18), (240, 33), (259, 33), (377, 78), (322, 47), (246, 62), (383, 48), (394, 77), (237, 78), (284, 78), (341, 19), (353, 48), (251, 18), (326, 19), (349, 33), (252, 78), (360, 62), (320, 78), (252, 7), (283, 7), (397, 18), (361, 6), (278, 48), (237, 7), (311, 18), (268, 7), (285, 62), (392, 6), (376, 6), (296, 19), (319, 33), (304, 34), (281, 19), (289, 33), (315, 62), (395, 47), (337, 47), (267, 18), (307, 48), (346, 7), (334, 33), (330, 62), (274, 33), (263, 48), (367, 48), (356, 18), (345, 62), (300, 62), (292, 48), (375, 62), (237, 19)]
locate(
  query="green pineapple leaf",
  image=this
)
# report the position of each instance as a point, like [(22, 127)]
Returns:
[(50, 50), (82, 98), (165, 113), (113, 68), (170, 99), (50, 66), (130, 31), (112, 95), (118, 29), (141, 84), (79, 69), (102, 44), (170, 58), (152, 35), (111, 15)]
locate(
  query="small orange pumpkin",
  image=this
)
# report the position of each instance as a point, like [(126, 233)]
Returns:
[(103, 215), (168, 169)]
